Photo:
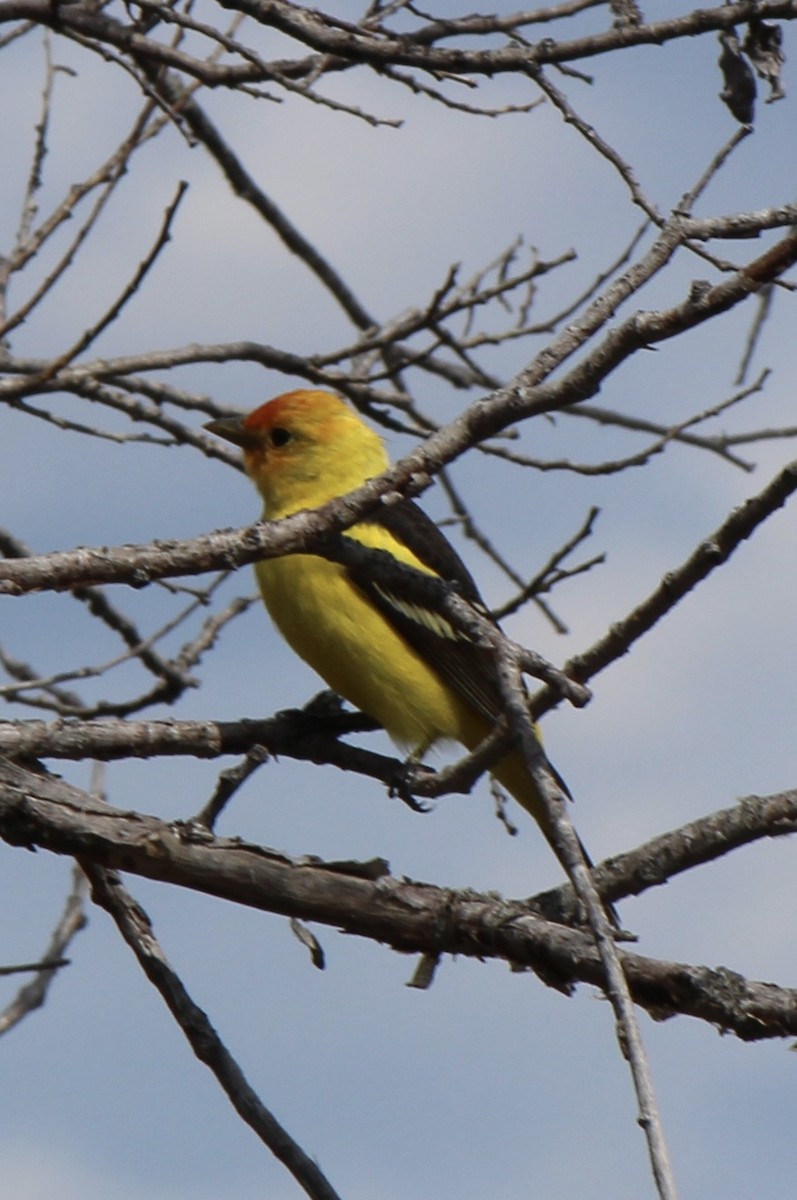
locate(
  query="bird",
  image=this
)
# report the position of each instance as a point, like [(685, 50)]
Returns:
[(393, 656)]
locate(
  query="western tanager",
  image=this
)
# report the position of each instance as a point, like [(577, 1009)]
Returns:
[(394, 658)]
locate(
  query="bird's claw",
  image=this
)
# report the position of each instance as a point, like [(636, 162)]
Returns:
[(401, 785)]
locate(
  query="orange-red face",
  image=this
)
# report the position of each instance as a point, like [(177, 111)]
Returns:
[(276, 430), (303, 448)]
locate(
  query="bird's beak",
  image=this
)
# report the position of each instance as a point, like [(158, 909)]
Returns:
[(232, 429)]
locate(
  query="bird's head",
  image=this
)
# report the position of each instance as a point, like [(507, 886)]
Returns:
[(304, 448)]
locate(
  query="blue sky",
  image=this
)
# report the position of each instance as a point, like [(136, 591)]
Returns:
[(488, 1084)]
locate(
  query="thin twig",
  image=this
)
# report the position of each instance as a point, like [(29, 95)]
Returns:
[(572, 855), (135, 927), (91, 334), (711, 553), (34, 994)]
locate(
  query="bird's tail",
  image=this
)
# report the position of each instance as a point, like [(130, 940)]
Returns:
[(513, 774)]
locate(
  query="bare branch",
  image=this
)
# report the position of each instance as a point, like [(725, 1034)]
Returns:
[(129, 291), (362, 899), (711, 553), (135, 927), (34, 994)]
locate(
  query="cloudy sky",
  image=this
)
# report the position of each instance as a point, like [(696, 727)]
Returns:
[(488, 1084)]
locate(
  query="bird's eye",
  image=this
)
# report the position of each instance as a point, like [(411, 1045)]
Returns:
[(279, 436)]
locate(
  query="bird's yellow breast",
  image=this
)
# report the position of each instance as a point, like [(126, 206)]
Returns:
[(330, 624)]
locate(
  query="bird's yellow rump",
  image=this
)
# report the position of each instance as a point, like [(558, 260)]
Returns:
[(397, 660)]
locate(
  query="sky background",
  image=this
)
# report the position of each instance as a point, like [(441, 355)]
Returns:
[(488, 1084)]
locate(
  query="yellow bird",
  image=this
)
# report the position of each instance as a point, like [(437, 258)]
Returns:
[(397, 660)]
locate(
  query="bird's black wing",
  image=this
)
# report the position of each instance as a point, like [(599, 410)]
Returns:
[(464, 665)]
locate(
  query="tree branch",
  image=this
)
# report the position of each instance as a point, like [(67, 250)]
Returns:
[(109, 893), (40, 810)]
